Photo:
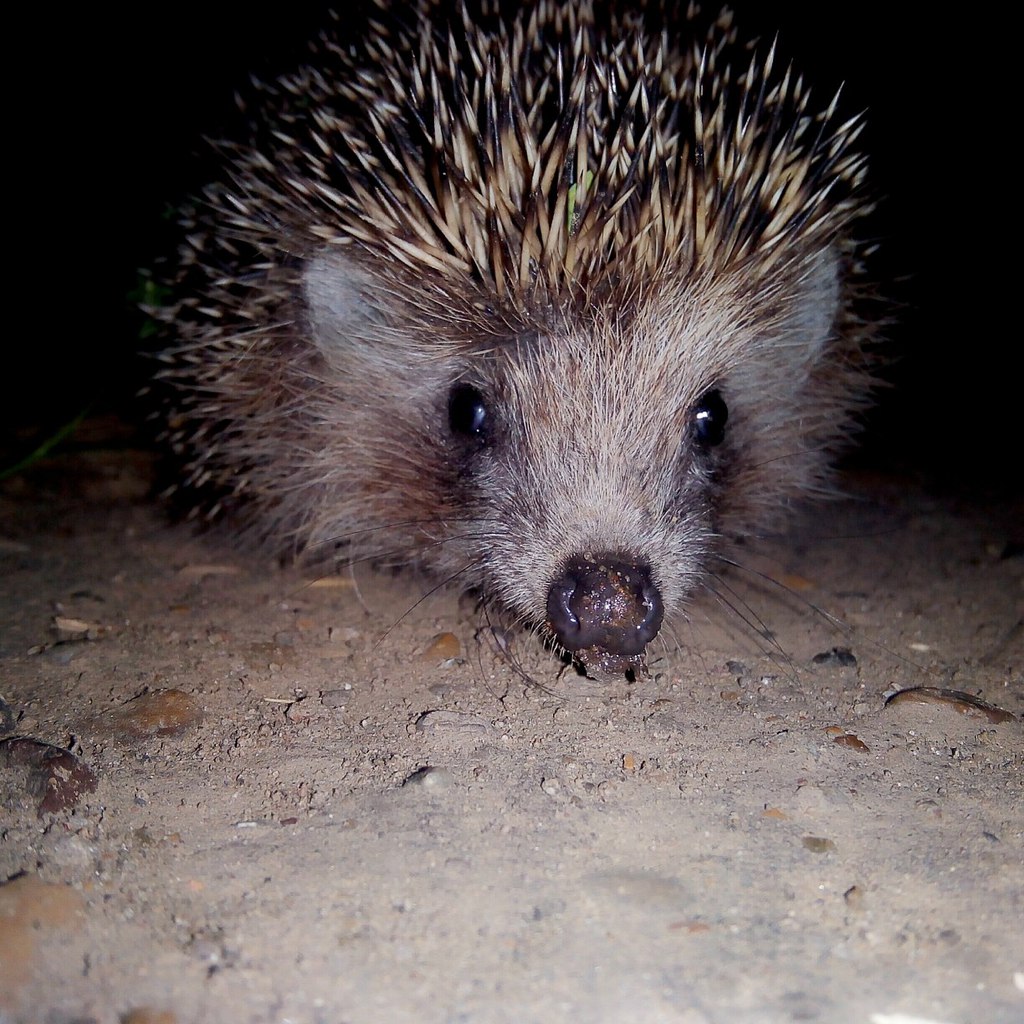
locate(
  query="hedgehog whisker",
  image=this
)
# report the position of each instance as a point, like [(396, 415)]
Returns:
[(440, 585), (742, 610), (843, 628)]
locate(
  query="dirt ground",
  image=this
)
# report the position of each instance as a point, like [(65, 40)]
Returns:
[(292, 799)]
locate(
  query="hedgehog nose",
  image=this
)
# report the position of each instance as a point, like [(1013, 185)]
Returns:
[(605, 608)]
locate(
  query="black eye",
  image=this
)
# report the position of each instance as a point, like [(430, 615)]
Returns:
[(709, 416), (467, 411)]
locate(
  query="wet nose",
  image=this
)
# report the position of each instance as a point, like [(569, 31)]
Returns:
[(607, 604)]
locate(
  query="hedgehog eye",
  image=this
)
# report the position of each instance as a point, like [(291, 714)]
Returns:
[(709, 418), (467, 412)]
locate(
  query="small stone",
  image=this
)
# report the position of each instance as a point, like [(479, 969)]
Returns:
[(69, 629), (53, 775), (444, 647), (817, 844), (148, 1015), (74, 852), (162, 713), (430, 778), (452, 722), (842, 656), (852, 742), (29, 909)]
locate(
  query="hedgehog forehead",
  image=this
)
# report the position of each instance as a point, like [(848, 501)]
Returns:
[(670, 341), (602, 367)]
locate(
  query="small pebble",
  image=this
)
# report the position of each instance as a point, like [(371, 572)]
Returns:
[(551, 786), (836, 656), (147, 1015), (53, 775), (852, 742), (816, 844), (163, 713), (69, 629), (443, 647), (451, 722), (29, 909), (435, 779), (793, 581)]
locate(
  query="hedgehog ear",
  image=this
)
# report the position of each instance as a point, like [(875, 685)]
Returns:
[(817, 305), (342, 301)]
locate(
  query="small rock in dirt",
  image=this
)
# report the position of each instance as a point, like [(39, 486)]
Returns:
[(854, 897), (836, 656), (335, 698), (74, 852), (435, 779), (69, 629), (453, 722), (53, 775), (29, 910), (817, 844), (148, 1015), (852, 742), (444, 647), (163, 713)]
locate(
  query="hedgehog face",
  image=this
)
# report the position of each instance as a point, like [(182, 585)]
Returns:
[(581, 467), (598, 489)]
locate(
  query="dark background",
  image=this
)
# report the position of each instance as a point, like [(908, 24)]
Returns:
[(105, 125)]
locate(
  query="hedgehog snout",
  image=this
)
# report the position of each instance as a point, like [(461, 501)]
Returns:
[(605, 609)]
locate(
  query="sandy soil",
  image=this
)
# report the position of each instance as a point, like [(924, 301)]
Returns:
[(332, 801)]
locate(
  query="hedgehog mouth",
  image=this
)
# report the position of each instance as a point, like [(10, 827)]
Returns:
[(605, 609), (599, 659)]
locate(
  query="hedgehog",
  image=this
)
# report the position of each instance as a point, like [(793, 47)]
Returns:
[(555, 302)]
